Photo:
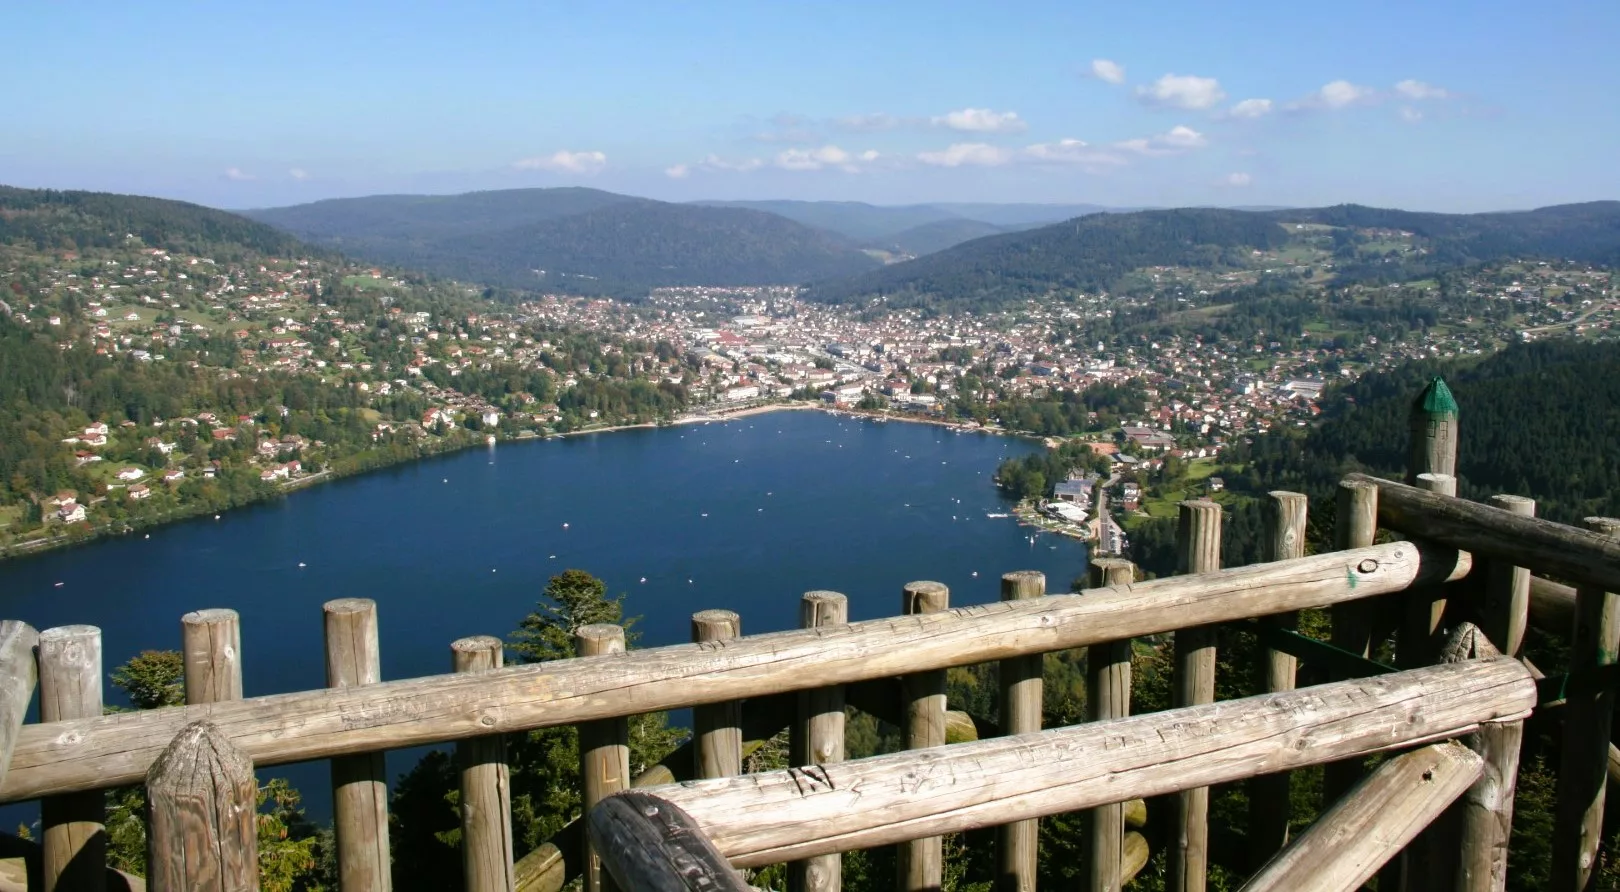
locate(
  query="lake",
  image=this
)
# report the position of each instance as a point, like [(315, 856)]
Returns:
[(745, 515)]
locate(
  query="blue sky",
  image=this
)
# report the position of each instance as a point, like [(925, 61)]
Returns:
[(1439, 105)]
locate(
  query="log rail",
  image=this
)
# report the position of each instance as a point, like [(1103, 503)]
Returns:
[(1436, 813)]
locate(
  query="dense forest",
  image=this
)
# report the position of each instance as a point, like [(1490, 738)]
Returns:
[(48, 220), (578, 241)]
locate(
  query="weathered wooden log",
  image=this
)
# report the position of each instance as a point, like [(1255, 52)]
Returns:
[(1355, 525), (1584, 556), (74, 847), (487, 856), (1198, 551), (202, 802), (717, 727), (1552, 606), (781, 815), (817, 738), (360, 779), (604, 749), (652, 846), (1485, 812), (1108, 689), (18, 674), (1505, 609), (1349, 842), (211, 645), (93, 753), (1424, 608), (920, 862), (1269, 796), (1020, 680), (1588, 720)]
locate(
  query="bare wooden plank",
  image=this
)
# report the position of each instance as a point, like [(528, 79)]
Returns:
[(604, 748), (1198, 551), (74, 847), (717, 727), (211, 645), (1585, 556), (92, 753), (652, 846), (1269, 793), (920, 862), (1349, 842), (765, 818), (1355, 525), (817, 738), (487, 856), (18, 675), (203, 806), (1020, 682), (1108, 686), (359, 781), (1588, 718)]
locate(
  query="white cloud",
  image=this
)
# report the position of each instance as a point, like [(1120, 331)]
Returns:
[(715, 162), (1237, 179), (677, 171), (238, 174), (565, 162), (1410, 115), (823, 158), (1071, 151), (982, 120), (1250, 108), (869, 122), (298, 173), (1105, 70), (1336, 95), (1174, 141), (1412, 89), (971, 154), (1182, 91)]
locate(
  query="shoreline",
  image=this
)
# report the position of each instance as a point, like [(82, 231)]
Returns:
[(33, 547)]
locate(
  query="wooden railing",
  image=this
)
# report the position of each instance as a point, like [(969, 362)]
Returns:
[(1456, 597)]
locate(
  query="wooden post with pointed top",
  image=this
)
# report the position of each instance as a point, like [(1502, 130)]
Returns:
[(921, 862), (1355, 525), (1432, 422), (717, 727), (1198, 550), (74, 853), (1269, 793), (1108, 696), (203, 805), (1020, 680), (359, 782), (1583, 768), (604, 749), (487, 856), (817, 738)]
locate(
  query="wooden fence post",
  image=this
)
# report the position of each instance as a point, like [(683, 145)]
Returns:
[(921, 862), (1588, 717), (1355, 507), (604, 749), (1108, 696), (1269, 793), (717, 727), (1432, 423), (1485, 820), (75, 832), (203, 805), (487, 855), (359, 782), (1505, 611), (211, 642), (1017, 844), (817, 738), (19, 673), (1198, 550), (1423, 608)]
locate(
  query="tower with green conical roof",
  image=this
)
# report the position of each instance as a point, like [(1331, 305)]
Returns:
[(1433, 425)]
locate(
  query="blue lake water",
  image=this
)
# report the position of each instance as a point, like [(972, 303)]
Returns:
[(745, 515)]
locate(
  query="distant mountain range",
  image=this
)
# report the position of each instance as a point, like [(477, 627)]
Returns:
[(880, 225)]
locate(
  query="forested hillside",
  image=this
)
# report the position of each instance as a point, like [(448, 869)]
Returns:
[(49, 220), (941, 234), (581, 241)]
